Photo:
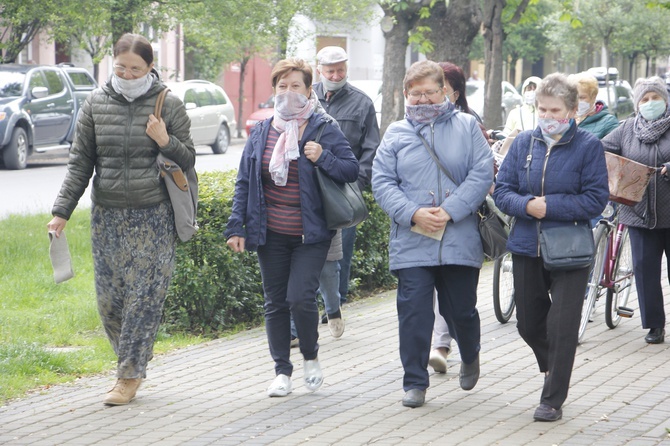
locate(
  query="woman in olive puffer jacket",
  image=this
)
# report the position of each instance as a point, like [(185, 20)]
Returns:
[(132, 222)]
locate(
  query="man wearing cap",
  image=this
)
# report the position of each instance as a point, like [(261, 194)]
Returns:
[(355, 113)]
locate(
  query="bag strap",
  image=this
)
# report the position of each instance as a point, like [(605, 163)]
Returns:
[(319, 132), (432, 154), (159, 103)]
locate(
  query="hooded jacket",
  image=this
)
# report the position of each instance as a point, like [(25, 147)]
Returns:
[(248, 216), (405, 178), (601, 123), (523, 117), (572, 176), (111, 141)]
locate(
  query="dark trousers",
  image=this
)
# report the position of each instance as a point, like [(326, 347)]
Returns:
[(290, 270), (456, 287), (648, 246), (549, 325)]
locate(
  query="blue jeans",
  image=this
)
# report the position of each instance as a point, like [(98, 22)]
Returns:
[(290, 271), (348, 241)]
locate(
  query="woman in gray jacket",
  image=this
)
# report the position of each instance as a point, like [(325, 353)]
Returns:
[(434, 241), (132, 222), (645, 138)]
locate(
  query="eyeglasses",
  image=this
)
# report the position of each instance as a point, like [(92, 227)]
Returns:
[(428, 94), (134, 71)]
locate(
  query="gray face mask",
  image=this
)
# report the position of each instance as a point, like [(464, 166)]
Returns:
[(333, 86)]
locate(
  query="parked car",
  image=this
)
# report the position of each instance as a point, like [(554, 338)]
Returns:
[(474, 92), (81, 81), (38, 109), (616, 93), (211, 112), (265, 110)]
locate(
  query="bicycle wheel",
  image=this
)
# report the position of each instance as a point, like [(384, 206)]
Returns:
[(623, 278), (503, 288), (595, 275)]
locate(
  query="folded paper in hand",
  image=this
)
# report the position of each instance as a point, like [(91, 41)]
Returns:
[(436, 235), (60, 257)]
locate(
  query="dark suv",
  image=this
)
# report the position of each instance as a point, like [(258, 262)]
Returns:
[(38, 109)]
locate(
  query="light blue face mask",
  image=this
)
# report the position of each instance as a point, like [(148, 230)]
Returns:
[(653, 109)]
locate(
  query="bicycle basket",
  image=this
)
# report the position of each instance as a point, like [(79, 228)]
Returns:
[(627, 179)]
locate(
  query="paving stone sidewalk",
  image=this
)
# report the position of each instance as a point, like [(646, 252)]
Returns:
[(214, 393)]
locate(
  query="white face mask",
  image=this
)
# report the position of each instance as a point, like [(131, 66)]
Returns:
[(551, 126), (653, 109), (583, 108), (333, 86), (290, 104), (529, 97), (132, 89)]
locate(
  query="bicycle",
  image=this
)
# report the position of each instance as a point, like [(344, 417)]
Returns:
[(611, 271), (503, 279)]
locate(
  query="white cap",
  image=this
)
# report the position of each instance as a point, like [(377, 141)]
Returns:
[(330, 55)]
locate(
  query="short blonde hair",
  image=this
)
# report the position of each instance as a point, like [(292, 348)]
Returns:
[(587, 82), (285, 66), (426, 69)]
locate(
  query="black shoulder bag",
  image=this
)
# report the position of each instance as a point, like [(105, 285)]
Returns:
[(343, 204), (567, 247)]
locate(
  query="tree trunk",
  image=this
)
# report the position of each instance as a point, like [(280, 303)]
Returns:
[(493, 41), (453, 28), (240, 100), (397, 40)]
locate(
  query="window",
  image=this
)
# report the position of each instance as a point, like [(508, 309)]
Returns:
[(36, 80), (204, 98), (54, 81), (219, 97), (190, 96)]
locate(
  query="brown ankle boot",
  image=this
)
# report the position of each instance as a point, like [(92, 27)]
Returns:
[(123, 392)]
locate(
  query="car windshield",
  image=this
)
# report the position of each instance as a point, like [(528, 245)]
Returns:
[(11, 84)]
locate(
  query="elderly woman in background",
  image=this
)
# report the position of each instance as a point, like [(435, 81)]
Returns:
[(434, 240), (592, 115), (552, 176), (645, 138), (277, 211)]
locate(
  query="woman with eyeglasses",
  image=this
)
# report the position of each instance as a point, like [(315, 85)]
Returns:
[(553, 176), (430, 174), (133, 233)]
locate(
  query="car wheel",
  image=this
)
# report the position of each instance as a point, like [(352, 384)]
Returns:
[(15, 154), (222, 140)]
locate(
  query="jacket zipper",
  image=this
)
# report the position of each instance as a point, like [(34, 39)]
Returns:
[(126, 149)]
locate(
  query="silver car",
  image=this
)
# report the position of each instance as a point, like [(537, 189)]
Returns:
[(211, 112)]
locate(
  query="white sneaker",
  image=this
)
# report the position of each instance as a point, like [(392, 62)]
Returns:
[(281, 386), (336, 326), (438, 361), (313, 374)]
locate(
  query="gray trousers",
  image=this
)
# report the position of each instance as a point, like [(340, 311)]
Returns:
[(133, 259)]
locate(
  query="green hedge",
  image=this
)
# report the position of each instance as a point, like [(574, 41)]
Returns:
[(214, 289)]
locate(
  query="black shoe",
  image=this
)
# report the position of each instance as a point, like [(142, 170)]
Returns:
[(655, 336), (414, 398), (324, 318), (545, 412), (469, 374)]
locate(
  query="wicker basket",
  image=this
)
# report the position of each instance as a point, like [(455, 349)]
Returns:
[(628, 179)]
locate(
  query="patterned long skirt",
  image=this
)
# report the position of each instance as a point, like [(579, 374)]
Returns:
[(133, 258)]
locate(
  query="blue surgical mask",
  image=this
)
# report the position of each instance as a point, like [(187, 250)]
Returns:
[(653, 109)]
